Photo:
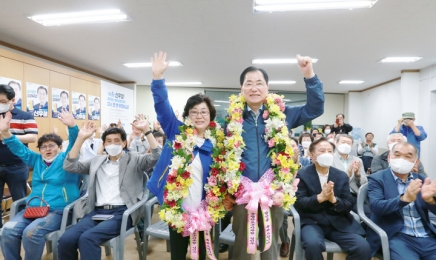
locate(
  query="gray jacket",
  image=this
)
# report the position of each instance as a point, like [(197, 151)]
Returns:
[(355, 182), (132, 167)]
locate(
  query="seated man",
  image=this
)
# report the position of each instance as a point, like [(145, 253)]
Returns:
[(352, 165), (324, 203), (380, 162), (400, 201), (115, 184)]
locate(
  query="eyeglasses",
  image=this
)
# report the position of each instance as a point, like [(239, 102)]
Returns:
[(45, 147), (251, 86), (196, 113)]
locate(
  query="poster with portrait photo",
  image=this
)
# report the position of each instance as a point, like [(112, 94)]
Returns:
[(37, 99), (79, 105), (16, 85), (60, 100), (93, 107)]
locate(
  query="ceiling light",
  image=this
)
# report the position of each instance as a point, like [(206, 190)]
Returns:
[(148, 64), (400, 59), (216, 105), (282, 82), (184, 83), (298, 5), (277, 61), (287, 100), (351, 82), (221, 101), (99, 16)]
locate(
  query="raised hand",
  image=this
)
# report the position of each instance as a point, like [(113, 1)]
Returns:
[(5, 121), (159, 65), (412, 190), (428, 191), (305, 65), (141, 123), (119, 124), (102, 129), (67, 118), (400, 121), (87, 130)]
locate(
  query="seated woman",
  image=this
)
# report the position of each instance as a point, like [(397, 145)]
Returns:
[(49, 182), (199, 113)]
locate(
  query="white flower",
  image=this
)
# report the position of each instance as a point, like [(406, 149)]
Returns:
[(177, 162)]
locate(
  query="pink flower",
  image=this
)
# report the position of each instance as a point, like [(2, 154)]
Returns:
[(271, 142), (282, 107), (212, 181), (237, 144), (278, 199), (265, 114), (295, 184)]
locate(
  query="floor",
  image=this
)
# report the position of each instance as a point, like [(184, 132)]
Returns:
[(157, 248)]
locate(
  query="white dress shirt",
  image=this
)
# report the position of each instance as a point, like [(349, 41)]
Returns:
[(108, 184), (196, 189)]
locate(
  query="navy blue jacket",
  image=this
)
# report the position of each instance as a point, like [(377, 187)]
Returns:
[(387, 208), (312, 212), (255, 156), (170, 124)]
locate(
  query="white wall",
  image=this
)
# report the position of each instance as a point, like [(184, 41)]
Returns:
[(334, 104), (177, 96)]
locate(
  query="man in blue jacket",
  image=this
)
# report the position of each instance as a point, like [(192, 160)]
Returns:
[(254, 88), (400, 201), (414, 133)]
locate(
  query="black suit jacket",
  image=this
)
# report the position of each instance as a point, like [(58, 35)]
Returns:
[(312, 212)]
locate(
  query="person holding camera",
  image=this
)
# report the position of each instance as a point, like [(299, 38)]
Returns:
[(414, 133), (339, 127)]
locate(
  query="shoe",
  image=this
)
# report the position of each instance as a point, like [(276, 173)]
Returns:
[(284, 249), (223, 248)]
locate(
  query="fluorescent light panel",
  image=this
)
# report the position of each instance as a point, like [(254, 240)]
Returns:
[(277, 61), (299, 5), (221, 101), (281, 82), (351, 82), (184, 83), (216, 105), (148, 64), (99, 16), (400, 59)]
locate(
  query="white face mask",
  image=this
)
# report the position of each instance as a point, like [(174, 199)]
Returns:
[(51, 159), (391, 145), (306, 144), (113, 149), (401, 165), (4, 108), (331, 140), (325, 159), (344, 148), (327, 131)]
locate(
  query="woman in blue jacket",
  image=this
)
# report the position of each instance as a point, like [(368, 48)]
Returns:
[(200, 111), (49, 182)]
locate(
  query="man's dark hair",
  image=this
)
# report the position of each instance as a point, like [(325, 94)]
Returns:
[(295, 140), (7, 90), (84, 98), (49, 137), (313, 129), (160, 134), (14, 82), (96, 99), (322, 139), (63, 92), (114, 124), (41, 87), (341, 115), (197, 99), (305, 134), (114, 130), (369, 133), (250, 69)]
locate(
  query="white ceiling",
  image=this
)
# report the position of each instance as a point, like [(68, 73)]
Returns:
[(217, 39)]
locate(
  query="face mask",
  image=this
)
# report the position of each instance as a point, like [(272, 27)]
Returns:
[(325, 159), (344, 148), (306, 144), (4, 108), (113, 149), (327, 131), (51, 159), (401, 166), (391, 145), (331, 140)]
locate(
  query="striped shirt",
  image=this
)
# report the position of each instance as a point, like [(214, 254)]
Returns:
[(413, 225), (22, 123)]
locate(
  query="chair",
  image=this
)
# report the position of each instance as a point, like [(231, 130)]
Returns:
[(158, 229), (225, 237), (52, 237), (362, 196), (331, 247)]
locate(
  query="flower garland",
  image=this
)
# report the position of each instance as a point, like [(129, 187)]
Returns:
[(179, 179), (276, 136)]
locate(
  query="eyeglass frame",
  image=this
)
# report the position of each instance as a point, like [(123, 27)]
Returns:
[(203, 113), (50, 146)]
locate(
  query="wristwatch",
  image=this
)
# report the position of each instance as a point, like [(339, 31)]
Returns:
[(148, 132)]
